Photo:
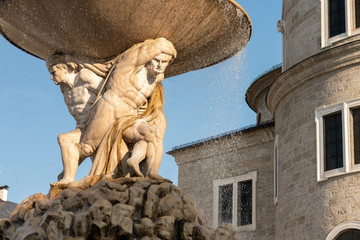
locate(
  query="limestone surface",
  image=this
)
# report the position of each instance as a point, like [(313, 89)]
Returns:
[(124, 208)]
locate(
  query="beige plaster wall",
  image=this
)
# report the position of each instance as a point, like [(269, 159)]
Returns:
[(308, 209), (230, 157)]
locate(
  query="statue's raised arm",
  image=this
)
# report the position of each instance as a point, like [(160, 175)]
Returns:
[(142, 53)]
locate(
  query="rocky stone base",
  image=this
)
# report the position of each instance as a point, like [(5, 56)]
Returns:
[(125, 208)]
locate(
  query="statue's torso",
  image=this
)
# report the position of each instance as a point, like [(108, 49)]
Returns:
[(132, 87), (80, 97)]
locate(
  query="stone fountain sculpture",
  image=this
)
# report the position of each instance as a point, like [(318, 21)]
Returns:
[(109, 58), (114, 119)]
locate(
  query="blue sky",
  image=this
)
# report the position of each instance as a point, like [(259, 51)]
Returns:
[(198, 104)]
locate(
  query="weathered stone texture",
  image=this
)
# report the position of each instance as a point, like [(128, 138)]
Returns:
[(302, 20), (119, 209), (229, 157), (303, 31), (265, 113), (308, 208), (256, 94)]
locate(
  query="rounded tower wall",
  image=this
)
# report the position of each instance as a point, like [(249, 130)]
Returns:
[(309, 207), (302, 35), (307, 29)]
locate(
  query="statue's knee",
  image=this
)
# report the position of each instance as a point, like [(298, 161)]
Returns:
[(86, 149), (62, 139)]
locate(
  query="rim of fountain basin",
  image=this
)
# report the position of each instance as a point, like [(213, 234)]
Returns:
[(210, 31)]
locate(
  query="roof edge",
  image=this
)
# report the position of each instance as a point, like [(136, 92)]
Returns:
[(267, 79), (222, 135)]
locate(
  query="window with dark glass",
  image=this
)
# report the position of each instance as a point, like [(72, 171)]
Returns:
[(357, 13), (351, 234), (225, 204), (355, 135), (336, 17), (333, 142), (242, 193), (244, 203)]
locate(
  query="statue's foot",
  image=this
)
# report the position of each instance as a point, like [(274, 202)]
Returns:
[(155, 176), (109, 176), (134, 168), (86, 181), (61, 183)]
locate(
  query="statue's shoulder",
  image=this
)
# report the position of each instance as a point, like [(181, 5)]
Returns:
[(86, 75)]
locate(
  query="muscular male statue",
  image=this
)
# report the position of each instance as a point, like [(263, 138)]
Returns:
[(134, 78), (80, 87)]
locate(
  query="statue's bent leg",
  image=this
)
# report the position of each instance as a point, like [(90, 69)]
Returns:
[(70, 155), (150, 157), (98, 125), (154, 137), (154, 165), (138, 154), (104, 116)]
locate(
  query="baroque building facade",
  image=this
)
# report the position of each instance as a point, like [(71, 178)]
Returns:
[(296, 173)]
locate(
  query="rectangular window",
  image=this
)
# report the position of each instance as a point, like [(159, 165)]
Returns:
[(329, 141), (357, 13), (234, 201), (333, 141), (355, 135), (338, 139), (244, 203), (339, 19), (336, 17), (225, 203)]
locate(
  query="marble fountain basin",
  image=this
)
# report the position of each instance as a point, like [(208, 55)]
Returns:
[(204, 32)]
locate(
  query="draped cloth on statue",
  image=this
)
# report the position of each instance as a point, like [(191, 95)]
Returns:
[(112, 150), (112, 153)]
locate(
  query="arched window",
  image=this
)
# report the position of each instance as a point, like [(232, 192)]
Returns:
[(351, 234), (345, 231)]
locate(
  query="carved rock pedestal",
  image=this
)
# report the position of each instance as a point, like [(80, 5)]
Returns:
[(133, 208)]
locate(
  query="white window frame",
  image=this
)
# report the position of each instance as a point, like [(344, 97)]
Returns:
[(234, 180), (320, 113), (350, 105), (350, 28), (276, 169), (341, 228)]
